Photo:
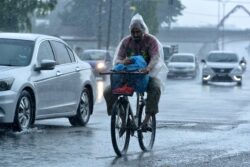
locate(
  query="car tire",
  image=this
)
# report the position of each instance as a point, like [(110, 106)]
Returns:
[(83, 111), (239, 83), (24, 114)]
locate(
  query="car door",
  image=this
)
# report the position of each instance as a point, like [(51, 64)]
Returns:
[(68, 78), (46, 83)]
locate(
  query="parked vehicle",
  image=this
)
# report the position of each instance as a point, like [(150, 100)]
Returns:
[(40, 78), (168, 51), (100, 60), (182, 64), (222, 66)]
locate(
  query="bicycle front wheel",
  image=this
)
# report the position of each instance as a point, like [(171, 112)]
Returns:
[(120, 134), (146, 137)]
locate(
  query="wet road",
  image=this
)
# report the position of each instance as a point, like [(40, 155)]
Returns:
[(197, 126)]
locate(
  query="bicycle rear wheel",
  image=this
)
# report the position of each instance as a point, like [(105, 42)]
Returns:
[(146, 138), (120, 135)]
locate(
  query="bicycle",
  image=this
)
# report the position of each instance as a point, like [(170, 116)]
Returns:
[(124, 123)]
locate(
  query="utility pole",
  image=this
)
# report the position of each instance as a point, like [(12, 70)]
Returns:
[(109, 25), (99, 27), (170, 4), (123, 18)]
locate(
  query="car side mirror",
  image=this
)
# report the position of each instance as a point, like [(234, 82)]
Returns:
[(46, 65)]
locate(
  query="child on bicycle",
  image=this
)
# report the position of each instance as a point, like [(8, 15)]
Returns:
[(140, 42)]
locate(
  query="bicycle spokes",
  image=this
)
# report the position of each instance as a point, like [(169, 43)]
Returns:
[(146, 135), (119, 133)]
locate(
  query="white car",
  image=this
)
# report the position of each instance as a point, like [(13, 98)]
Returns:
[(41, 77), (182, 64), (222, 66)]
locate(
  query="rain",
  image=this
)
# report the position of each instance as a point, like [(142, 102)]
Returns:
[(203, 117)]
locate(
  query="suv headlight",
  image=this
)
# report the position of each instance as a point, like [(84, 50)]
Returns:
[(5, 84), (237, 71)]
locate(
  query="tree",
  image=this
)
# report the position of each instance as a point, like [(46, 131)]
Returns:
[(147, 9), (90, 18), (156, 11), (169, 10), (15, 14), (81, 14)]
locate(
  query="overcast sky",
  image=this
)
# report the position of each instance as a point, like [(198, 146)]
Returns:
[(205, 12)]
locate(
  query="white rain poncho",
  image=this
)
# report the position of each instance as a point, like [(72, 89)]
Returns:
[(159, 68)]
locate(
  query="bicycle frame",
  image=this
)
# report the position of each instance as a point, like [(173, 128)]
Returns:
[(139, 101), (125, 122)]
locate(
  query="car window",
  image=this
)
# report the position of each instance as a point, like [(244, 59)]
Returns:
[(15, 52), (183, 58), (223, 57), (45, 52), (92, 55), (71, 54), (62, 54)]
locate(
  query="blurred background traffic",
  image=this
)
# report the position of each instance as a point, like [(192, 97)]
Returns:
[(96, 26)]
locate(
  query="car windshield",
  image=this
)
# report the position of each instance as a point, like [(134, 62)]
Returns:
[(183, 58), (92, 55), (15, 52), (223, 57)]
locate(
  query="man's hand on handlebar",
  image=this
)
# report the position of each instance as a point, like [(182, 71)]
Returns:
[(126, 61), (145, 70)]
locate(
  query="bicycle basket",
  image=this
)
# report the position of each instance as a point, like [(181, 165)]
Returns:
[(127, 84)]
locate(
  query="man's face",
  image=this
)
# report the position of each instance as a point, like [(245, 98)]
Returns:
[(136, 33)]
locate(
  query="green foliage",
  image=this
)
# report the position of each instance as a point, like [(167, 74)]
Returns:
[(15, 14), (147, 9), (82, 14), (157, 11), (169, 10)]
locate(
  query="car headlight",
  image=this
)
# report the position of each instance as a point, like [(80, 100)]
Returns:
[(237, 71), (243, 64), (100, 65), (5, 84)]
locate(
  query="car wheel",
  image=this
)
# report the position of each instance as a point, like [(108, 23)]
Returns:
[(24, 113), (239, 83), (83, 111)]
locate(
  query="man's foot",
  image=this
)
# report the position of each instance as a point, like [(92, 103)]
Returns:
[(144, 125), (145, 128)]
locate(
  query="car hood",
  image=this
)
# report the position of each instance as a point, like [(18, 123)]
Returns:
[(8, 71), (222, 65), (7, 68), (181, 64)]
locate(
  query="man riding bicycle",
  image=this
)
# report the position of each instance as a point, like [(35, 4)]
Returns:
[(140, 42)]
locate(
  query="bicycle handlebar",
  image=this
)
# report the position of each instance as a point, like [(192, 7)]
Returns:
[(123, 72)]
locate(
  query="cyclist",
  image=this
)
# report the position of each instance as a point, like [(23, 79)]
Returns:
[(140, 42)]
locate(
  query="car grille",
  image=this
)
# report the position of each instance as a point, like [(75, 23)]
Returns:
[(222, 70), (222, 78)]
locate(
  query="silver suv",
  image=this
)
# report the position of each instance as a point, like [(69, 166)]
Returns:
[(222, 66)]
